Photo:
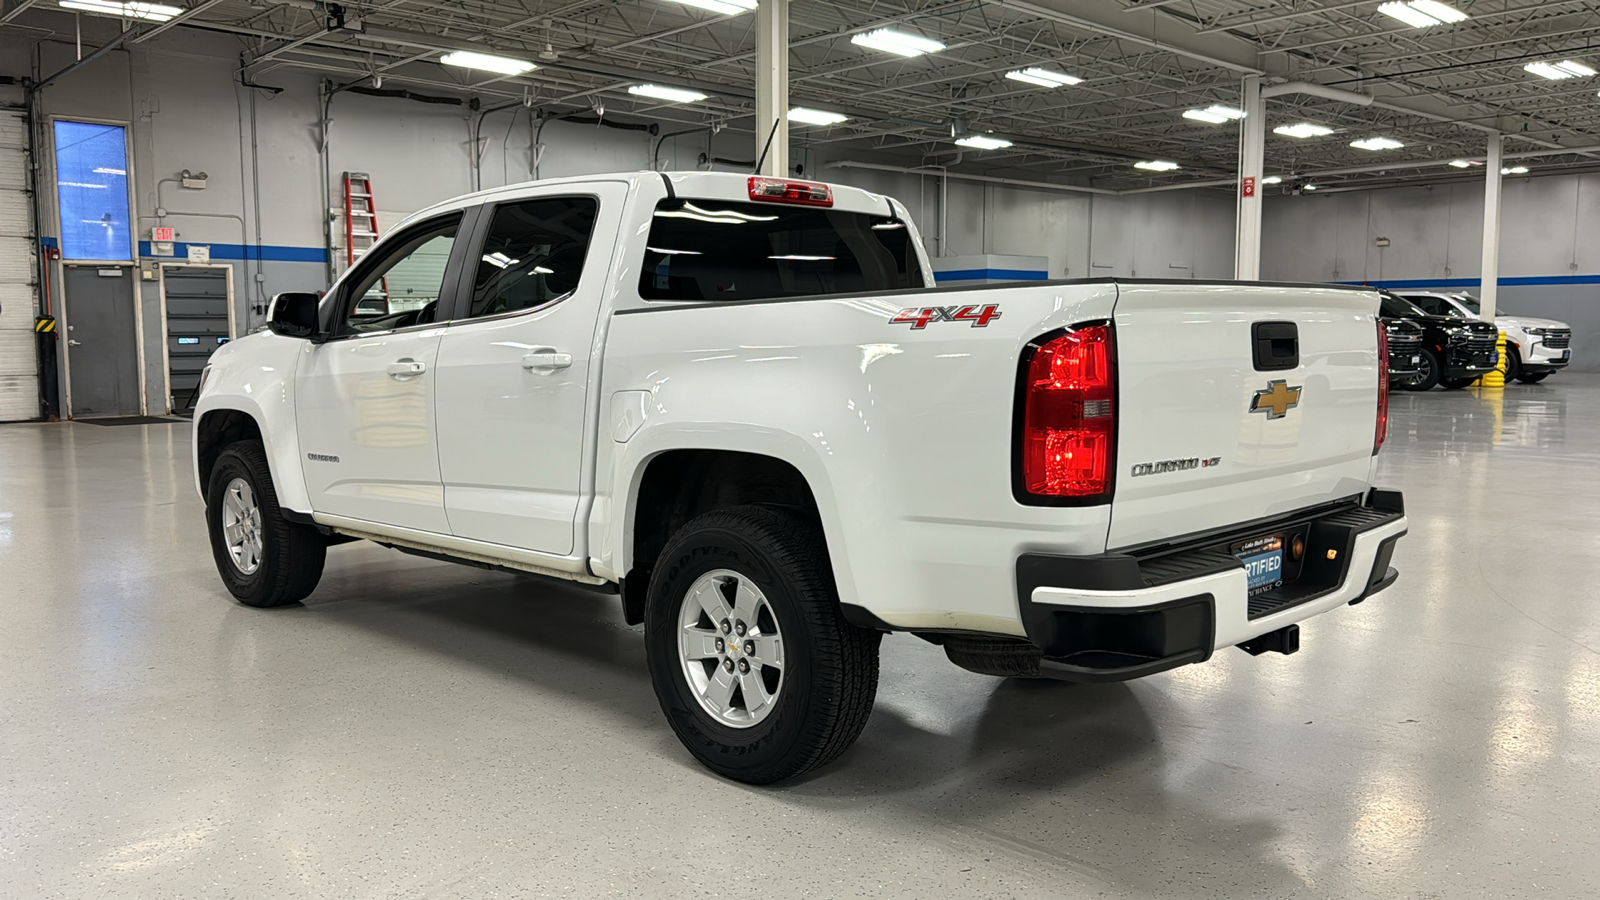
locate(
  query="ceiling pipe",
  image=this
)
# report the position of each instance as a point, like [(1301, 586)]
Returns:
[(1019, 182), (1317, 90)]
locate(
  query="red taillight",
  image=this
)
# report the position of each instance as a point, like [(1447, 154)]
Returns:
[(783, 190), (1383, 388), (1068, 415)]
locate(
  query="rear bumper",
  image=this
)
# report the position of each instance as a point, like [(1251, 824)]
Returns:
[(1129, 614)]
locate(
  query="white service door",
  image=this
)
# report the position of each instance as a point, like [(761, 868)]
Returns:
[(364, 400), (514, 369)]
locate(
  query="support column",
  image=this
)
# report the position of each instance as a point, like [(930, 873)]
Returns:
[(1252, 159), (772, 85), (1491, 227)]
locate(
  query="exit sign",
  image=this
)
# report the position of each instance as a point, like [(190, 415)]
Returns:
[(161, 234)]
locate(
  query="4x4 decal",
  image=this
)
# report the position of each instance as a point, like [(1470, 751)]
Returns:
[(918, 319)]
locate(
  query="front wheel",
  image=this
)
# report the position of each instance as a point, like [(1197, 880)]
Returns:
[(756, 669), (1456, 384), (1533, 377), (1428, 369), (1513, 364), (263, 558)]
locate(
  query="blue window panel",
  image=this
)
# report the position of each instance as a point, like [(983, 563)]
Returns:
[(92, 190)]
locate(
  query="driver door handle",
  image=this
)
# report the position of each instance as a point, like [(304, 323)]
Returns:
[(546, 359), (406, 368), (73, 343)]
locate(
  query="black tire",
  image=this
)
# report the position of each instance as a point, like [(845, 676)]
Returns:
[(292, 554), (1456, 384), (1513, 363), (830, 667), (1533, 377), (1000, 657), (1428, 374)]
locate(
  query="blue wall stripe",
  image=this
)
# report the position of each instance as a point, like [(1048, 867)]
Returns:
[(1522, 281), (254, 252), (997, 274)]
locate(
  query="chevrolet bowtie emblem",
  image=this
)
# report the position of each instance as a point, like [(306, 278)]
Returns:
[(1276, 400)]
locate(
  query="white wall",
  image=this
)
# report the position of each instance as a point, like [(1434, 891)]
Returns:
[(1549, 258)]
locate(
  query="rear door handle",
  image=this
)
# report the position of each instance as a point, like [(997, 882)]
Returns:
[(73, 343), (546, 360), (406, 368)]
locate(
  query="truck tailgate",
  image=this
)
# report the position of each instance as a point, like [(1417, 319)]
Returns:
[(1195, 449)]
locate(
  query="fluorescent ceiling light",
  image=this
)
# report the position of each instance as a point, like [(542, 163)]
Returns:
[(725, 7), (797, 257), (1215, 115), (665, 252), (1309, 187), (1377, 143), (984, 142), (1156, 165), (669, 94), (1460, 164), (1043, 77), (1423, 13), (505, 65), (1515, 170), (1557, 71), (1303, 130), (1272, 179), (815, 116), (897, 42), (155, 12)]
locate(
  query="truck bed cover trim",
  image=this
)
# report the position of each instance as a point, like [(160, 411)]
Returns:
[(663, 305)]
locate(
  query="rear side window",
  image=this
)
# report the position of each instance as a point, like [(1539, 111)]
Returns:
[(717, 250), (533, 254), (1437, 306)]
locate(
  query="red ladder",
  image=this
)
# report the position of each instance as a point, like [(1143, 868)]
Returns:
[(360, 216)]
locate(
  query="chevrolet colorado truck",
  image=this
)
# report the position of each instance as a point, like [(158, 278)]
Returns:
[(739, 403)]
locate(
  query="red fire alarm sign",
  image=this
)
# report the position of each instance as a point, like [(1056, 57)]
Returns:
[(1248, 189)]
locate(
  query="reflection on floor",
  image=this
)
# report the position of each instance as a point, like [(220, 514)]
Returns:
[(421, 729)]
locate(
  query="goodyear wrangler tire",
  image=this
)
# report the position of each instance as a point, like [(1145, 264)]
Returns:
[(263, 558), (756, 669)]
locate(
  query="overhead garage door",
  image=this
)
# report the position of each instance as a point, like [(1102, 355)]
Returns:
[(19, 368)]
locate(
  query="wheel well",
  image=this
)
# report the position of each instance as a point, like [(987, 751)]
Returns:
[(681, 484), (215, 431)]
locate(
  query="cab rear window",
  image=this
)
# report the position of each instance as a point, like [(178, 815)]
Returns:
[(717, 250)]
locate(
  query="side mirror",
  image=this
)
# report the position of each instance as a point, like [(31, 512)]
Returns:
[(293, 314)]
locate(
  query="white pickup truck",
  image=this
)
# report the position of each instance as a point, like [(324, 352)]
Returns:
[(740, 404)]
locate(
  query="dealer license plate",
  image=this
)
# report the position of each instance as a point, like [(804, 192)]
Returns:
[(1566, 354), (1263, 562)]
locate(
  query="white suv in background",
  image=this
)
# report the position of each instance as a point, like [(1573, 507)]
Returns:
[(1534, 347)]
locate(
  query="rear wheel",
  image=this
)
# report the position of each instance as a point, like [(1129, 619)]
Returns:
[(1533, 377), (756, 669), (263, 558), (1428, 369)]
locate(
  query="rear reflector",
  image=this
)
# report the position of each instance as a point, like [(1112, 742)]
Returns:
[(1383, 388), (1069, 416), (782, 190)]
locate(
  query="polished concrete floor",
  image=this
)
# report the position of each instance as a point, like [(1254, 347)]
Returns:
[(418, 729)]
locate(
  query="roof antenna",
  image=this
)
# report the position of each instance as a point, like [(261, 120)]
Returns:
[(768, 148)]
